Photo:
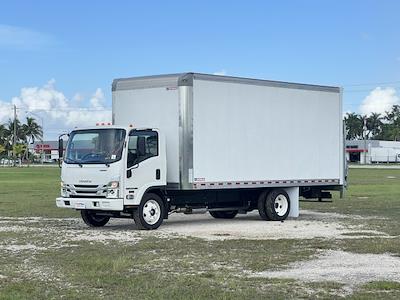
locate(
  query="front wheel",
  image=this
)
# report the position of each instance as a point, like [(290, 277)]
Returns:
[(92, 219), (228, 214), (150, 213)]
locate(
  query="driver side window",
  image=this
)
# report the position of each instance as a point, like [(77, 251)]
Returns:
[(142, 145)]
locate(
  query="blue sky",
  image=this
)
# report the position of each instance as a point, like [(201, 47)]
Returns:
[(74, 49)]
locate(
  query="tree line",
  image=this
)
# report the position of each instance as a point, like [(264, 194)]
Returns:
[(375, 126), (25, 133)]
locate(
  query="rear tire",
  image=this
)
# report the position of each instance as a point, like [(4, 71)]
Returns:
[(261, 205), (91, 219), (274, 206), (228, 214), (150, 213)]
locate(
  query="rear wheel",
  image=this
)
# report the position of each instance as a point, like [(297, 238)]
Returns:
[(227, 214), (274, 205), (92, 219), (150, 213)]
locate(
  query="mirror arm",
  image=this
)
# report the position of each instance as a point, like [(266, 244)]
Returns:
[(135, 166)]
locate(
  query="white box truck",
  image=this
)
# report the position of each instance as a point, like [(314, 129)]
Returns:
[(196, 142)]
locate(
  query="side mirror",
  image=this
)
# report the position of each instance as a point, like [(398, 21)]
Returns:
[(60, 148)]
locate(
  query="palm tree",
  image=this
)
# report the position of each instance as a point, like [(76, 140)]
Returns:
[(391, 124), (354, 126), (2, 149), (10, 130), (31, 131), (3, 137), (9, 133), (374, 125), (18, 150)]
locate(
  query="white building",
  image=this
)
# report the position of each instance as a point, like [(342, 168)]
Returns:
[(372, 151)]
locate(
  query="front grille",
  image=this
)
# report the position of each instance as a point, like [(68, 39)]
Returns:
[(86, 191), (85, 186), (86, 196)]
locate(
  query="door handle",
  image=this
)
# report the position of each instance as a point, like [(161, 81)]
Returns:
[(158, 174)]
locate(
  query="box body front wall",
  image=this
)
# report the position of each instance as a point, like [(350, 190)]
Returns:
[(152, 108)]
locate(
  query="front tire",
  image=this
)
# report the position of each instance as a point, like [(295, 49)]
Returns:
[(91, 219), (150, 213), (228, 214), (274, 206)]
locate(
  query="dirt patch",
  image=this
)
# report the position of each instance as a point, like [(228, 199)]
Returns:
[(327, 216), (18, 248), (350, 269), (309, 225), (104, 236)]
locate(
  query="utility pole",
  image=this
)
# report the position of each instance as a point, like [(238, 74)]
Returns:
[(365, 139), (15, 133)]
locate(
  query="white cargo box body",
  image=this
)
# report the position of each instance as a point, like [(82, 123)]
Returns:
[(228, 132)]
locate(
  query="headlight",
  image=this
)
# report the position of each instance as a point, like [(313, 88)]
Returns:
[(64, 192), (112, 189), (113, 185)]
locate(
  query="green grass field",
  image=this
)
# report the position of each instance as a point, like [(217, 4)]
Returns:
[(39, 258)]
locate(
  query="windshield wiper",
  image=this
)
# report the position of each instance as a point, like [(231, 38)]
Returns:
[(96, 162), (72, 161)]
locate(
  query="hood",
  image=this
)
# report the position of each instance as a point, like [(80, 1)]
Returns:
[(90, 174)]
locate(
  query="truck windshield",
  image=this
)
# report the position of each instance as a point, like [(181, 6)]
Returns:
[(95, 146)]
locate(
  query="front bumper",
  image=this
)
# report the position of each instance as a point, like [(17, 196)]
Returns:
[(91, 203)]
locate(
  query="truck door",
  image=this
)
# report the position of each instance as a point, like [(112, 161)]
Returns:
[(146, 163)]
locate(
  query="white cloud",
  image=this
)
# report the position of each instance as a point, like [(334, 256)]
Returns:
[(221, 73), (23, 38), (97, 100), (5, 111), (44, 98), (56, 109), (379, 100)]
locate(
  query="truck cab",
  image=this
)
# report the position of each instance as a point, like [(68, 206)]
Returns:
[(106, 171)]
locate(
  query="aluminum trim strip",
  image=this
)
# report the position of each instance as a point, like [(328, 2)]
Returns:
[(186, 79), (270, 83), (185, 136), (262, 183)]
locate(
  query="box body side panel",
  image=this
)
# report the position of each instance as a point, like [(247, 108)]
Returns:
[(251, 133)]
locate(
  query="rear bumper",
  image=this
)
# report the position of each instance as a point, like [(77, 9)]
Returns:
[(91, 203)]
